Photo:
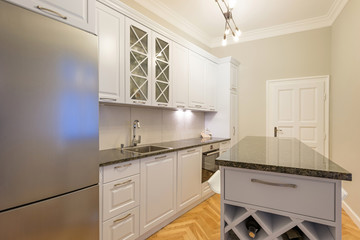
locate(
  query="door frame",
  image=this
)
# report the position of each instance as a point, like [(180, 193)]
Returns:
[(326, 81)]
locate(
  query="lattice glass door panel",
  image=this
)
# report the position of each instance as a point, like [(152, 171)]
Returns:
[(162, 71), (139, 64)]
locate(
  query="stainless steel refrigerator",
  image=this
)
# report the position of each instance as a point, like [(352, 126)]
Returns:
[(48, 128)]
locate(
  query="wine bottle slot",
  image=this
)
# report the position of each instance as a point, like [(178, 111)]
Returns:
[(252, 227)]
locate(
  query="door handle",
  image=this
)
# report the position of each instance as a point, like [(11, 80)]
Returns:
[(276, 130)]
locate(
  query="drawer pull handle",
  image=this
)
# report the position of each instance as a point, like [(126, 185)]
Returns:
[(51, 11), (162, 104), (191, 150), (198, 106), (180, 106), (126, 165), (161, 157), (122, 219), (123, 183), (274, 184)]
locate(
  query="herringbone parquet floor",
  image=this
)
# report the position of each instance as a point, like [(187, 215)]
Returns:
[(203, 223)]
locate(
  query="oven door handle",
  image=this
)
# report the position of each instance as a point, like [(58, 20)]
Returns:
[(212, 153)]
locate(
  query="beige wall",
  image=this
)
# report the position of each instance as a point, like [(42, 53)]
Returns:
[(133, 4), (345, 98), (294, 55)]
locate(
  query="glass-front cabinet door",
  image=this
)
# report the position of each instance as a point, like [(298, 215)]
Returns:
[(138, 53), (161, 72)]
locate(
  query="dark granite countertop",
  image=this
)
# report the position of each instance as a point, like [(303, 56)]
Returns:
[(283, 156), (112, 156)]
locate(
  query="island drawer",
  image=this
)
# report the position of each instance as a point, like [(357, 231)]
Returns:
[(283, 192), (120, 170)]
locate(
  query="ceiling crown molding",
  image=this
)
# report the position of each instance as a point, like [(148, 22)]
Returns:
[(177, 20)]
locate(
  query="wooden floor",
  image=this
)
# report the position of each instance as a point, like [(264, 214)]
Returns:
[(203, 222)]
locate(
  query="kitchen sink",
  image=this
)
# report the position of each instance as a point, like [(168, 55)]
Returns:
[(146, 149)]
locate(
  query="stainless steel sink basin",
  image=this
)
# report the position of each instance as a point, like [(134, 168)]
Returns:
[(145, 149)]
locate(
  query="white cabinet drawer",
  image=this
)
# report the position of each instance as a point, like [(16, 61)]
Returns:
[(120, 195), (308, 197), (224, 146), (123, 226), (121, 170)]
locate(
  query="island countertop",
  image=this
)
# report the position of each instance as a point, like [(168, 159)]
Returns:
[(282, 155)]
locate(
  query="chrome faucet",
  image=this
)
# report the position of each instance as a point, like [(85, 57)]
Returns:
[(134, 141)]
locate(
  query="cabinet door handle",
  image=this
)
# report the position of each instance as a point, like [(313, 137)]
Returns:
[(274, 184), (162, 104), (123, 183), (122, 219), (51, 11), (198, 106), (180, 106), (122, 166), (139, 102), (233, 131), (191, 150), (108, 99), (161, 157)]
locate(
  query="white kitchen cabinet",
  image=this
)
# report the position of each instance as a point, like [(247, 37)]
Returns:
[(197, 68), (233, 77), (122, 227), (188, 177), (137, 63), (158, 190), (110, 30), (234, 122), (211, 77), (224, 123), (180, 76), (78, 13), (224, 146), (161, 71)]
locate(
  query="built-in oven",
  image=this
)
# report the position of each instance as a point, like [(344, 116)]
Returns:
[(209, 153)]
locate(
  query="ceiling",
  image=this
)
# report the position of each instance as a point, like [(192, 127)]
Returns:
[(257, 19)]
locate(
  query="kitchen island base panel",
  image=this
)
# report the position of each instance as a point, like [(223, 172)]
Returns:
[(275, 222)]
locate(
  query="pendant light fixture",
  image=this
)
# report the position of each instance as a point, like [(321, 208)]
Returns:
[(230, 25)]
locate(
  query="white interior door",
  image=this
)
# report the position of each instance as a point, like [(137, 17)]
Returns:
[(299, 108)]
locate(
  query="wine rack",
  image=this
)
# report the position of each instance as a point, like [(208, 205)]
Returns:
[(272, 225)]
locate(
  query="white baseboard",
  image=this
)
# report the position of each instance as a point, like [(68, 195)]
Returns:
[(351, 213)]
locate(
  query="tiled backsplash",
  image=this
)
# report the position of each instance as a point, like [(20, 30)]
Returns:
[(157, 125)]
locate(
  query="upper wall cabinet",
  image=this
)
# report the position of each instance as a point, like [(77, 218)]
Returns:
[(161, 84), (78, 13), (110, 30), (138, 64), (180, 73), (197, 68), (211, 76)]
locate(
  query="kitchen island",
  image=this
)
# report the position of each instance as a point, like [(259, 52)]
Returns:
[(283, 184)]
